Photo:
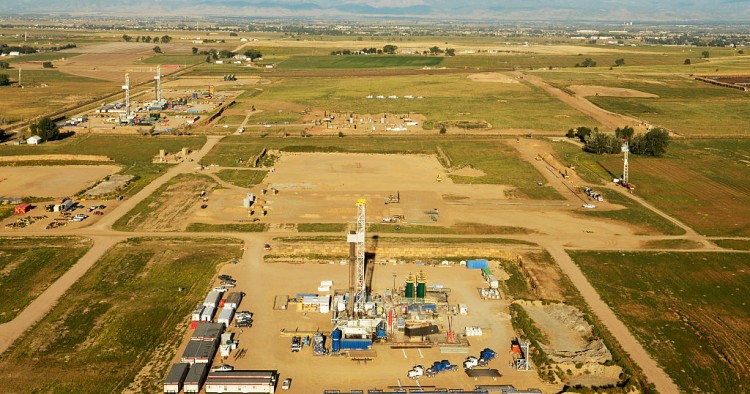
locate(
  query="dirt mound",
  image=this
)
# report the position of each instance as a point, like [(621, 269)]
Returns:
[(468, 171), (492, 77), (593, 90)]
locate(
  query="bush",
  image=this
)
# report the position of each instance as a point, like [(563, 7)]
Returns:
[(341, 134), (4, 80), (653, 143), (443, 130), (4, 65), (47, 65)]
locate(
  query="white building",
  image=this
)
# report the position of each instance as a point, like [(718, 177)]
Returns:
[(34, 140)]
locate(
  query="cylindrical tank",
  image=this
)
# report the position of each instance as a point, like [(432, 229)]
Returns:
[(421, 284), (336, 340), (409, 290)]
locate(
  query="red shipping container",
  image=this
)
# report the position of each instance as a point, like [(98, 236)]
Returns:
[(221, 303), (193, 325)]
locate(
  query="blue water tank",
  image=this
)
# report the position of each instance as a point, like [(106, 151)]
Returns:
[(381, 332), (477, 264), (336, 340), (356, 344)]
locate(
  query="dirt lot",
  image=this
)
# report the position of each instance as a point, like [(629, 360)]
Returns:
[(50, 181), (492, 77), (591, 90), (314, 374)]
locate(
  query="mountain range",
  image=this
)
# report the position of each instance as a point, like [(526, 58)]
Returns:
[(503, 10)]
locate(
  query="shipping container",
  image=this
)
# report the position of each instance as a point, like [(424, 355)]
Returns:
[(212, 299), (477, 264), (195, 378), (196, 316), (206, 331), (175, 378), (355, 344), (420, 331), (225, 316), (208, 314), (233, 300)]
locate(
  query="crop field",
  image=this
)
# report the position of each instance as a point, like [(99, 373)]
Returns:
[(701, 182), (93, 342), (499, 161), (354, 62), (133, 153), (30, 265), (687, 309), (683, 104), (242, 178), (45, 89), (167, 209), (446, 97), (174, 58)]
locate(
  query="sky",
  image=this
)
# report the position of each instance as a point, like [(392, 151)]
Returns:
[(501, 10)]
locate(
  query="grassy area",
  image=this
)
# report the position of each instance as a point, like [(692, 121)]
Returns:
[(736, 244), (227, 228), (242, 178), (459, 228), (635, 214), (687, 309), (232, 120), (107, 326), (169, 203), (672, 244), (701, 182), (30, 265), (134, 153), (500, 162), (6, 211), (42, 57), (179, 59), (322, 227), (357, 62)]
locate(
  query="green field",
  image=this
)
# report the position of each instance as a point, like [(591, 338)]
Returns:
[(702, 182), (179, 59), (498, 160), (672, 244), (42, 57), (689, 310), (133, 153), (635, 214), (30, 265), (736, 244), (242, 178), (322, 227), (446, 98), (227, 227), (108, 324), (357, 62)]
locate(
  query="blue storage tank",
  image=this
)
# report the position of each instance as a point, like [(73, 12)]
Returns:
[(356, 344), (336, 340), (381, 331), (477, 264)]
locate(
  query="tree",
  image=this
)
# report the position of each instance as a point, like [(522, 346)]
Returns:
[(156, 40), (587, 62), (4, 80), (450, 52), (571, 133), (157, 49), (225, 53), (600, 143), (435, 50), (138, 39), (47, 65), (4, 65), (443, 130), (253, 54), (583, 133), (624, 133), (126, 38), (705, 54), (390, 49), (147, 39), (195, 50), (208, 59), (741, 52), (653, 143), (686, 62), (45, 128), (619, 62), (166, 39), (232, 34)]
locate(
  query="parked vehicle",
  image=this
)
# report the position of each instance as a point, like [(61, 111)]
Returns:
[(296, 344), (415, 372), (286, 384), (221, 368)]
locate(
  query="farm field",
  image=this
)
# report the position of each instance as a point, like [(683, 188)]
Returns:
[(168, 208), (133, 153), (687, 309), (702, 182), (91, 342), (30, 265), (500, 162)]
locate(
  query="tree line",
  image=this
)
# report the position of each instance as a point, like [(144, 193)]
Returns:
[(148, 39), (652, 143)]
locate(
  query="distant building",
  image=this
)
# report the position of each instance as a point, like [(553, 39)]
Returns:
[(34, 140)]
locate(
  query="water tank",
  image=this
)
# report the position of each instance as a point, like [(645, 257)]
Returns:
[(421, 289), (336, 340), (409, 290)]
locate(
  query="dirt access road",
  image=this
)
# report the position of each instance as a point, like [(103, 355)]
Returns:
[(609, 120)]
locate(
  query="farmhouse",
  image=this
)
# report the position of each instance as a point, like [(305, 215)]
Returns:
[(34, 140)]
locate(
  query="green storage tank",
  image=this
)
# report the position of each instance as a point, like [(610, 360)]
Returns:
[(421, 289), (409, 290)]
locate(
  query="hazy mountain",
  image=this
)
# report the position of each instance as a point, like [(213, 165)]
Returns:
[(554, 10)]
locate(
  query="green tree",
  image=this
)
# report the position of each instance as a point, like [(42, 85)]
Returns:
[(435, 50), (686, 62), (653, 143), (390, 49), (156, 40), (232, 34), (157, 49), (47, 65), (147, 39), (450, 52), (208, 59), (443, 130), (587, 62), (619, 62), (195, 50), (624, 133), (138, 39), (126, 38), (571, 133), (4, 80), (45, 128), (166, 39), (583, 133), (4, 65), (600, 143), (705, 54), (253, 54), (741, 52), (225, 53)]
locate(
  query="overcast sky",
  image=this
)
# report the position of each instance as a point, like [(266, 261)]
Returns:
[(506, 10)]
